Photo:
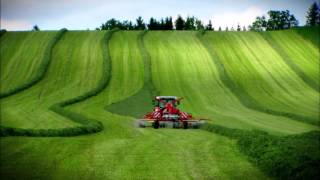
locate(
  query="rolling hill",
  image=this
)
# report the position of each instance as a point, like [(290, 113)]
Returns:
[(95, 83)]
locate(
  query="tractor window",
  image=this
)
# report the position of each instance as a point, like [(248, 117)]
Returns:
[(173, 102), (162, 104)]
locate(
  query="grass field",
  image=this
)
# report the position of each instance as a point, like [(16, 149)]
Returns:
[(265, 76), (68, 76), (144, 64), (21, 55)]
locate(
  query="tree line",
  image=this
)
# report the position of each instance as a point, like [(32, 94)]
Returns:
[(276, 20), (285, 20), (167, 23), (190, 23)]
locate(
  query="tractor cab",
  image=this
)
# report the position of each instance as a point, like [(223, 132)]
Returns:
[(162, 101)]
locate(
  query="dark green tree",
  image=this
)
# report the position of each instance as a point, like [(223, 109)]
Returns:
[(244, 28), (110, 24), (140, 24), (293, 22), (274, 20), (152, 24), (238, 27), (219, 28), (199, 25), (209, 26), (280, 20), (313, 15), (35, 28), (180, 23), (162, 24), (227, 29), (190, 23), (259, 24), (2, 31), (168, 23), (126, 25), (130, 26)]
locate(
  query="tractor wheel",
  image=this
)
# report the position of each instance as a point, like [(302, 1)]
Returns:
[(175, 125), (185, 125), (156, 124), (142, 124)]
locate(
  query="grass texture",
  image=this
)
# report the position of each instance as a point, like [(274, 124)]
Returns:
[(240, 81)]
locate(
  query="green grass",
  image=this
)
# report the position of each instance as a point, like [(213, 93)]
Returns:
[(24, 57), (300, 55), (310, 34), (259, 71), (144, 64), (281, 157), (143, 155), (69, 75), (183, 67)]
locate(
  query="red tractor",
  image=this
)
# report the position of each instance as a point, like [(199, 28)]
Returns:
[(166, 114)]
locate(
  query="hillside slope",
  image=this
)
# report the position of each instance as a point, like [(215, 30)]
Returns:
[(183, 66), (260, 73), (144, 64), (22, 54), (69, 75)]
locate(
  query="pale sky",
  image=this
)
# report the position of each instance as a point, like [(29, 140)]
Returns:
[(83, 14)]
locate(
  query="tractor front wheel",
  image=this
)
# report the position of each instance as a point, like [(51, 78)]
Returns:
[(156, 124)]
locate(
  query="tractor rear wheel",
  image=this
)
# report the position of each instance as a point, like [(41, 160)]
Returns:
[(185, 125), (156, 124)]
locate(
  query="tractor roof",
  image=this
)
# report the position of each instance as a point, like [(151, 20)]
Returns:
[(167, 97)]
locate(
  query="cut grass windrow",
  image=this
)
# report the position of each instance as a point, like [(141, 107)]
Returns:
[(87, 125), (45, 62), (241, 93), (180, 66), (126, 151), (141, 99), (281, 157), (147, 65)]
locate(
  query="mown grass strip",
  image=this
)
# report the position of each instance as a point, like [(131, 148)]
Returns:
[(139, 100), (42, 68), (147, 65), (242, 95), (289, 62), (87, 125), (281, 157)]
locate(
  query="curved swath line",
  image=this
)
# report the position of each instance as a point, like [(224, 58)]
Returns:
[(147, 65), (288, 61), (148, 83), (42, 68), (87, 125), (242, 95)]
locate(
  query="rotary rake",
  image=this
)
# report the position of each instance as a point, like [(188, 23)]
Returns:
[(166, 114)]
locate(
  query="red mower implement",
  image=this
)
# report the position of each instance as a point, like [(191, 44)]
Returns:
[(166, 114)]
